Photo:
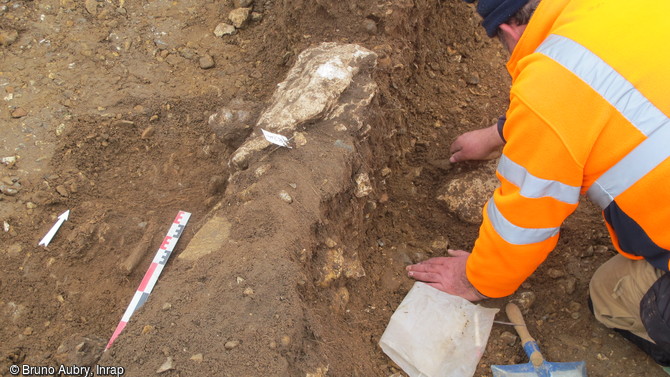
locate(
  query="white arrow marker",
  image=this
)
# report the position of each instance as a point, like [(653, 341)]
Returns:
[(52, 232)]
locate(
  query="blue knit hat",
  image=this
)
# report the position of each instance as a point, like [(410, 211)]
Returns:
[(496, 12)]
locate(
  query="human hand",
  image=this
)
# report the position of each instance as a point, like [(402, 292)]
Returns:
[(482, 144), (446, 274)]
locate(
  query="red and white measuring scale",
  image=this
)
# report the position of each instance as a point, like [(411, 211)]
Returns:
[(154, 271)]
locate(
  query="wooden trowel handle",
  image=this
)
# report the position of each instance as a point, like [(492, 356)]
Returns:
[(515, 316)]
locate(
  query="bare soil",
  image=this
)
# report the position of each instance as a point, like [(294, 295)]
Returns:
[(106, 107)]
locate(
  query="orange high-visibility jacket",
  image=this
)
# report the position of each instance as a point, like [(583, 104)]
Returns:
[(588, 115)]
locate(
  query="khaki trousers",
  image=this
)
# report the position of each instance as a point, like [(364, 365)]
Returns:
[(617, 288)]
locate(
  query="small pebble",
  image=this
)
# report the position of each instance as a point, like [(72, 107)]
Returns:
[(300, 139), (441, 243), (206, 62), (62, 191), (239, 16), (472, 79), (148, 132), (570, 284), (555, 273), (147, 329), (588, 252), (9, 191), (224, 29), (19, 113), (9, 160), (256, 16), (363, 188), (525, 300), (91, 6), (248, 291), (187, 53), (60, 129), (197, 357), (231, 344), (601, 249), (574, 306), (285, 197), (166, 366), (261, 170), (508, 338), (285, 341)]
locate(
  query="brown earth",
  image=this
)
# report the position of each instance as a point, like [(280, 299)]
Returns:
[(106, 106)]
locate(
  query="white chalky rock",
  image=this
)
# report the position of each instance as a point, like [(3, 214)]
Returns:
[(224, 29), (315, 88), (466, 195)]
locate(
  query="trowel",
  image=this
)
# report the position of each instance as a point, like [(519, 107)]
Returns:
[(538, 366)]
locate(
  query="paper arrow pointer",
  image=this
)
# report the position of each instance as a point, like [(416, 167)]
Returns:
[(52, 232)]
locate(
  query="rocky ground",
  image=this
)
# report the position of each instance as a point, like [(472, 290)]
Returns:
[(292, 262)]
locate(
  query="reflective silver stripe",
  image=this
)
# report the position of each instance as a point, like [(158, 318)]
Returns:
[(613, 87), (531, 186), (635, 165), (513, 234), (632, 104)]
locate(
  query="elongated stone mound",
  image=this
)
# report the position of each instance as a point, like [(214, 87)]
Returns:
[(324, 81)]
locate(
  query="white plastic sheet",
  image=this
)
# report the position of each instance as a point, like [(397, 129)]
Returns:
[(435, 334)]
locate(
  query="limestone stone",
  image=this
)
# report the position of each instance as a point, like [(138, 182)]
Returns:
[(224, 29), (239, 16), (466, 195), (329, 81)]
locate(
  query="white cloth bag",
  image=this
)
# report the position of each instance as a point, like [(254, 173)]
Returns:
[(435, 334)]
